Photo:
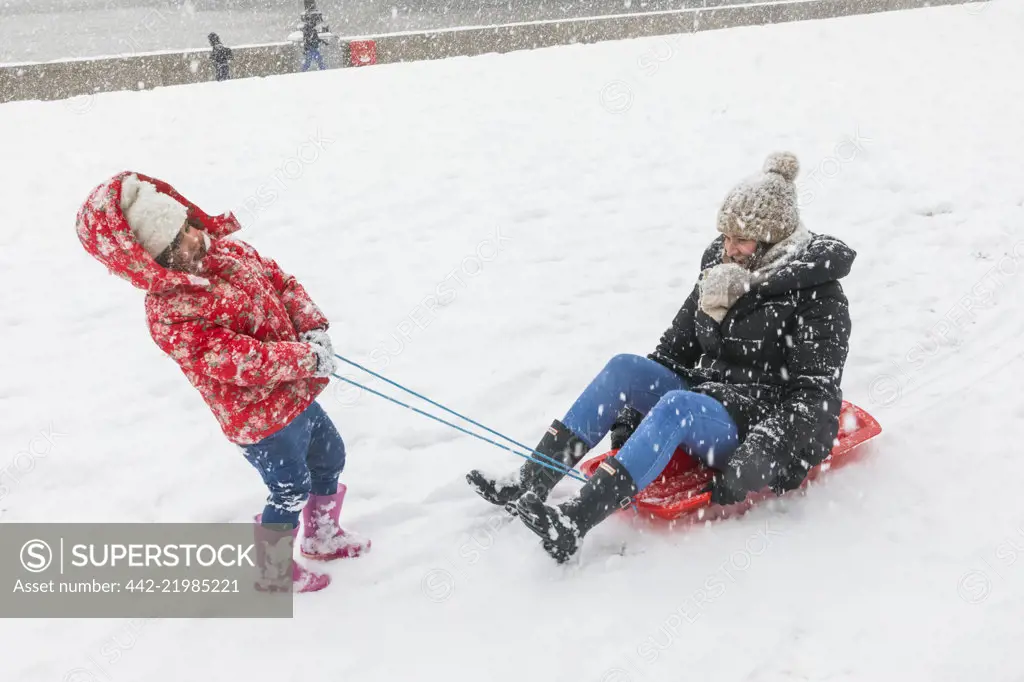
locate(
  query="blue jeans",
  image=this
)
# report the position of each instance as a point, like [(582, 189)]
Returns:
[(306, 456), (310, 56), (674, 416)]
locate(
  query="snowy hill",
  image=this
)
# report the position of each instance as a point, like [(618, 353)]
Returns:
[(564, 196)]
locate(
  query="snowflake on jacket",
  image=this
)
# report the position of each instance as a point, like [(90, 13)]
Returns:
[(233, 331)]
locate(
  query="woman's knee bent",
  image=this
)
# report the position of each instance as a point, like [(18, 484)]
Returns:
[(624, 363), (704, 426), (688, 403)]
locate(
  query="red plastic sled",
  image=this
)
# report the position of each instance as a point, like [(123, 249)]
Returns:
[(676, 493)]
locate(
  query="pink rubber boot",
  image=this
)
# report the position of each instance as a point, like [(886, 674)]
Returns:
[(272, 557), (323, 539)]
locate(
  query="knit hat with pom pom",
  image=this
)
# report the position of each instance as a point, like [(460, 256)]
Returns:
[(764, 207)]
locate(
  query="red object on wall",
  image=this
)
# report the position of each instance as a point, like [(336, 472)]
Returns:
[(362, 52)]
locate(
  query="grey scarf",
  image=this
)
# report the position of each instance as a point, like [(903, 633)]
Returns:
[(722, 285)]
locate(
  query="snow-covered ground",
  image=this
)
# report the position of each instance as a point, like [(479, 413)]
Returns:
[(558, 201)]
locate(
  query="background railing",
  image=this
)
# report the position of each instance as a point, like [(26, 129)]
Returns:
[(75, 77)]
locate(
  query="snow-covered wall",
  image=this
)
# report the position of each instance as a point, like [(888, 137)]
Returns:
[(78, 77)]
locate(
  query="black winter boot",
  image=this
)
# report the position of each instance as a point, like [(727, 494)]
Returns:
[(562, 528), (558, 444)]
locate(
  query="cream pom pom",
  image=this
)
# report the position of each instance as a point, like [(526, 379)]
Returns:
[(783, 163)]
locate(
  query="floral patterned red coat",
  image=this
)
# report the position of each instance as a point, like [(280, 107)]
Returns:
[(233, 330)]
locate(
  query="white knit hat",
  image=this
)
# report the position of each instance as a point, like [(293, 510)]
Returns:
[(764, 207), (155, 218)]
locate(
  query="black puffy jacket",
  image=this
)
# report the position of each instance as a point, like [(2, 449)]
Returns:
[(775, 363)]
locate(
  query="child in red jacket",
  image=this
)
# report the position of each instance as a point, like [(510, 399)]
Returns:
[(247, 336)]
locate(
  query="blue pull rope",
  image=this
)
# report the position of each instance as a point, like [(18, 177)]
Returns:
[(544, 458), (560, 469)]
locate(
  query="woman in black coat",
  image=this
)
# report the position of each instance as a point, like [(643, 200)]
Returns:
[(746, 379)]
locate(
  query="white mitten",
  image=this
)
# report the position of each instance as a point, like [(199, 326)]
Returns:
[(325, 363), (319, 337), (320, 341)]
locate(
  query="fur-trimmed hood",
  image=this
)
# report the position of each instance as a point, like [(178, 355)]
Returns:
[(818, 260)]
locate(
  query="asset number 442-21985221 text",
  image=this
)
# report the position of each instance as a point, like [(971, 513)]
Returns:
[(207, 586)]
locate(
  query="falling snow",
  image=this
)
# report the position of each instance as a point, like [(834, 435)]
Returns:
[(426, 157)]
